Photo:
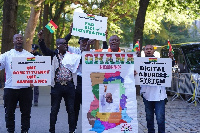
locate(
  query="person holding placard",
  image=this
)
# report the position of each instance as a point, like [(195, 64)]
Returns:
[(154, 98), (84, 46), (13, 94), (114, 42), (63, 80)]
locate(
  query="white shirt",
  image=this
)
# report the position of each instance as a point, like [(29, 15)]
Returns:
[(153, 93), (6, 62)]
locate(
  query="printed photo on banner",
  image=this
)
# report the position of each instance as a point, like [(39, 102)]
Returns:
[(31, 70), (109, 95), (89, 26), (109, 98), (153, 71)]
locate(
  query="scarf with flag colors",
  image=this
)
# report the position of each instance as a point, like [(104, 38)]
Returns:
[(136, 47), (51, 26)]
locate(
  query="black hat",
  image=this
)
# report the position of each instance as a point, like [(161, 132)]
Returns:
[(35, 47), (82, 38)]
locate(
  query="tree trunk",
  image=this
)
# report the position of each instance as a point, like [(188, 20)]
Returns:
[(139, 24), (9, 27), (9, 24), (47, 34), (31, 26)]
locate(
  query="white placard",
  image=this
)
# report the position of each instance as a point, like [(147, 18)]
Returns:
[(153, 71), (35, 70), (89, 26), (115, 72)]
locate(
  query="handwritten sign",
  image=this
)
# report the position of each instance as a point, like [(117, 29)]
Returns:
[(108, 75), (153, 71), (35, 70), (89, 26)]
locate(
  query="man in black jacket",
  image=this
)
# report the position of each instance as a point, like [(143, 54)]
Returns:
[(62, 83)]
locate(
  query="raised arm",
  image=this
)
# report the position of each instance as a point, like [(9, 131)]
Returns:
[(46, 51)]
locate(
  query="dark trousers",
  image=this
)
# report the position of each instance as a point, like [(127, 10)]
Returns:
[(159, 108), (68, 93), (11, 97), (78, 98), (36, 94)]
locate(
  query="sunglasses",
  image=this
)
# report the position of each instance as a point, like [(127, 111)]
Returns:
[(62, 43)]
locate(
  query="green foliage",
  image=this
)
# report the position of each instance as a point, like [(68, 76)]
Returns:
[(165, 19), (23, 15)]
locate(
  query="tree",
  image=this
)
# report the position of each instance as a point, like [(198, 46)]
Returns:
[(9, 26), (32, 23), (139, 23)]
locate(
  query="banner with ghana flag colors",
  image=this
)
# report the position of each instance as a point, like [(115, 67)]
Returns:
[(153, 71), (108, 93), (31, 70)]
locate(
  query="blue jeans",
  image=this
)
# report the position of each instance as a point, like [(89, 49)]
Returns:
[(159, 108), (68, 93), (36, 94)]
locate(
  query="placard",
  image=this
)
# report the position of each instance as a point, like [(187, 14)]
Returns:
[(31, 70), (89, 26), (153, 71), (108, 93)]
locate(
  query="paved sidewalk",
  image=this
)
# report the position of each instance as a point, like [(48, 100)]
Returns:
[(180, 118)]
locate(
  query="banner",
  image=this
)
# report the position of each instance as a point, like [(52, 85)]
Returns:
[(89, 26), (153, 71), (31, 70), (108, 95)]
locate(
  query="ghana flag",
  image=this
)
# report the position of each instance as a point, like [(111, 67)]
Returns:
[(31, 59), (51, 26), (152, 59), (90, 16)]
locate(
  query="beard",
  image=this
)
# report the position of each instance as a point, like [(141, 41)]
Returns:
[(19, 47)]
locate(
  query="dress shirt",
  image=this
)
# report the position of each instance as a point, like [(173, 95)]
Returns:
[(6, 62)]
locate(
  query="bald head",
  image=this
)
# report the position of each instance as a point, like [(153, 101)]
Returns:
[(114, 42), (18, 42), (109, 98), (149, 51)]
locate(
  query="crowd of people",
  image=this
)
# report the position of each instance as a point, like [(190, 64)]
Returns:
[(68, 85)]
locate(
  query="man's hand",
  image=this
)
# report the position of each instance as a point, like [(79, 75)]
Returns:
[(106, 34), (31, 85), (105, 86), (40, 34), (138, 53), (135, 73), (70, 30), (90, 41), (171, 55)]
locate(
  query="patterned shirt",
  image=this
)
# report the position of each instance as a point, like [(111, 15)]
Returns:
[(63, 73)]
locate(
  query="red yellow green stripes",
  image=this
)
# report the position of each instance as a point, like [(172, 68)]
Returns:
[(51, 26), (90, 16), (31, 59), (152, 59)]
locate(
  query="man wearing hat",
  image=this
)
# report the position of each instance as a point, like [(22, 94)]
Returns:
[(36, 88)]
